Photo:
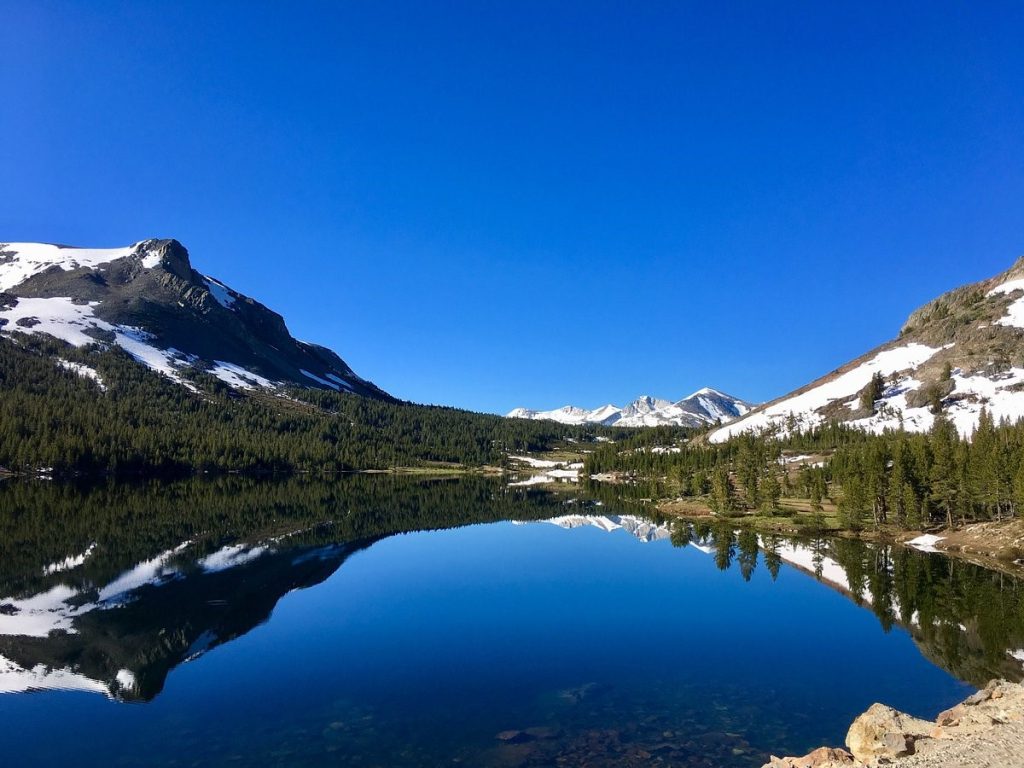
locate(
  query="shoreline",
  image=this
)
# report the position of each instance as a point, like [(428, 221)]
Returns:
[(996, 545), (985, 729)]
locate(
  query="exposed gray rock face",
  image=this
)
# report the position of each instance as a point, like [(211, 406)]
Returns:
[(148, 299)]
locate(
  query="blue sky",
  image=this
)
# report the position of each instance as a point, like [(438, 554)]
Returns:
[(490, 205)]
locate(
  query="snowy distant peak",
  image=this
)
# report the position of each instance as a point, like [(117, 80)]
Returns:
[(147, 299), (704, 407), (645, 404), (958, 354), (642, 529)]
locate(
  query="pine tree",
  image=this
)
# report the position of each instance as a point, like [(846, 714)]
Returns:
[(872, 392), (944, 475), (770, 493), (722, 493)]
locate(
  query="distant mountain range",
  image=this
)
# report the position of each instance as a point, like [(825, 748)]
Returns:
[(147, 299), (956, 355), (704, 407)]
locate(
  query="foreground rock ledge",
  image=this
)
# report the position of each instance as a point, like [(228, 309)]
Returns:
[(986, 730)]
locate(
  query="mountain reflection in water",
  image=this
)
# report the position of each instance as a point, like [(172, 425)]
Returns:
[(133, 582)]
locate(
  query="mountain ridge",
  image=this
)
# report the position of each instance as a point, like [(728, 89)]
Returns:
[(704, 407), (149, 300), (956, 355)]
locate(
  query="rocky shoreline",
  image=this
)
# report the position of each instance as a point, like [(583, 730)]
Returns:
[(998, 545), (986, 730)]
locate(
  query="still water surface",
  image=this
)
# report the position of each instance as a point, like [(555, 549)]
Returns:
[(298, 623)]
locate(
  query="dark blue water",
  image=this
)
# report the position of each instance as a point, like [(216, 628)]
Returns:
[(579, 646)]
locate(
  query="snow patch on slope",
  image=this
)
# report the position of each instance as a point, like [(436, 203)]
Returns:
[(239, 377), (804, 407), (20, 261), (82, 370), (325, 382), (17, 679), (70, 562), (63, 319), (1015, 312), (230, 557), (223, 295)]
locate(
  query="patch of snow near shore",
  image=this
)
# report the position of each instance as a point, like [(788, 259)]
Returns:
[(925, 542), (534, 480), (536, 463), (804, 407), (564, 474)]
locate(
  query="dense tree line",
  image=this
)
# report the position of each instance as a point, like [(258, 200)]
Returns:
[(912, 480), (143, 423), (123, 523), (896, 478)]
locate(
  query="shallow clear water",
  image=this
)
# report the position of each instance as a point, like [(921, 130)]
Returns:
[(243, 628)]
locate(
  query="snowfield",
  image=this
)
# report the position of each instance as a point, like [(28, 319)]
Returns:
[(804, 407), (1015, 312), (29, 259), (220, 292)]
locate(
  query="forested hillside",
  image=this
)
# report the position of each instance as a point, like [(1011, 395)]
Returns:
[(897, 478), (67, 410)]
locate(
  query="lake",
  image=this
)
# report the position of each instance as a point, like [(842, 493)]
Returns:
[(389, 621)]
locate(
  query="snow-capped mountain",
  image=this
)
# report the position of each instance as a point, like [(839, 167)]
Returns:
[(148, 300), (122, 638), (958, 354), (705, 406), (642, 529)]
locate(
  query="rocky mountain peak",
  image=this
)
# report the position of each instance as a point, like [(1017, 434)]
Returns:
[(148, 299)]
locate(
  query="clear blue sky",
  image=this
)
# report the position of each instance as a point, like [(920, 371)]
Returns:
[(491, 205)]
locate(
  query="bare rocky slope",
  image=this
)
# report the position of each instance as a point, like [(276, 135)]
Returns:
[(956, 355)]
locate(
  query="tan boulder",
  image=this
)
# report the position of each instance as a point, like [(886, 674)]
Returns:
[(883, 732), (823, 757)]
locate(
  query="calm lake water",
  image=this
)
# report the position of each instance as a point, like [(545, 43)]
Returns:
[(382, 621)]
